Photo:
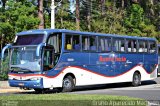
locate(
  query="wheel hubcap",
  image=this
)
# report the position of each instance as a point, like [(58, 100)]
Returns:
[(136, 79), (67, 83)]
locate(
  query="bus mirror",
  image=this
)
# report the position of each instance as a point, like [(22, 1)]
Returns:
[(4, 49), (39, 47)]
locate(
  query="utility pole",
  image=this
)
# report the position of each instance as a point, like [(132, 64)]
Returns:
[(53, 15)]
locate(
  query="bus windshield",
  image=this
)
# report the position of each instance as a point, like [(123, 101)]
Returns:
[(25, 59)]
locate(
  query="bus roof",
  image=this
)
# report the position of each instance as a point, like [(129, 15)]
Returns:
[(48, 31)]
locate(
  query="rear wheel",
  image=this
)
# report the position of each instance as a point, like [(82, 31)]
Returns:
[(68, 84), (136, 79)]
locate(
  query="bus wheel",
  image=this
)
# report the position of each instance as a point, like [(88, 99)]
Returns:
[(136, 79), (68, 84)]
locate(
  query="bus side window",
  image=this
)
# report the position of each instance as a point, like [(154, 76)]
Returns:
[(55, 41), (142, 46), (118, 45), (85, 43), (152, 47), (76, 42), (129, 48), (93, 43), (104, 44), (134, 46), (146, 47), (68, 42)]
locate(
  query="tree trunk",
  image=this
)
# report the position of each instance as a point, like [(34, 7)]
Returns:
[(151, 8), (40, 14), (135, 1), (103, 7), (77, 15), (89, 14), (122, 4)]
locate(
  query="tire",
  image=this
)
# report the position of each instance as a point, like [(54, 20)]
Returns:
[(68, 84), (136, 79)]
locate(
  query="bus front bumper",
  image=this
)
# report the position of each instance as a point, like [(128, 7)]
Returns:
[(26, 83)]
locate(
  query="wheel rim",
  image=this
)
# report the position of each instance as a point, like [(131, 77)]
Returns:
[(136, 79), (67, 83)]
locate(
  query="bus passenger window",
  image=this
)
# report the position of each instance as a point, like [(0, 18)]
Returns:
[(93, 44), (76, 42), (68, 42), (104, 44), (129, 49), (142, 46), (132, 46), (85, 43), (152, 47), (145, 47), (118, 45)]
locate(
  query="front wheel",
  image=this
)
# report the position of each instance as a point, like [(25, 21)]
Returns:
[(68, 84), (136, 79)]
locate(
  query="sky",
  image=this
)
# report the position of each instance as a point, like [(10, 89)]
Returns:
[(72, 5), (1, 3)]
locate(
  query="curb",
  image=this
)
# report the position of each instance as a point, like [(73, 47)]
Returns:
[(11, 90)]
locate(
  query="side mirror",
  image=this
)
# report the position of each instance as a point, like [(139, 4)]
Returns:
[(4, 49), (39, 47)]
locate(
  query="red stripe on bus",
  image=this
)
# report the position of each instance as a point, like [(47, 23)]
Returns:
[(42, 75)]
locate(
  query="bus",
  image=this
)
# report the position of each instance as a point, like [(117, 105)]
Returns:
[(64, 59)]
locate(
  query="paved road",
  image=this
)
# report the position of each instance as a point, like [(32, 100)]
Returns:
[(149, 90)]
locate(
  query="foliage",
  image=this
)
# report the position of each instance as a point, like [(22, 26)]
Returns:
[(137, 24), (17, 16), (4, 69), (127, 17)]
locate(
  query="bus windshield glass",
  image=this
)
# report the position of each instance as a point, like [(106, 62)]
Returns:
[(25, 59), (29, 39)]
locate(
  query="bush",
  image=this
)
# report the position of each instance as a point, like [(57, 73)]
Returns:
[(4, 69)]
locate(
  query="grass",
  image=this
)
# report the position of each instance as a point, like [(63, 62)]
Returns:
[(62, 99)]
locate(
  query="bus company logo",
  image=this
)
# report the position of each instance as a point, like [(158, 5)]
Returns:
[(107, 59)]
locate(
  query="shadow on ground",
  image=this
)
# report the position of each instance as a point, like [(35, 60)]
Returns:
[(92, 87)]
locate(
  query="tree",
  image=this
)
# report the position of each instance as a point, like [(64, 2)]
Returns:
[(18, 16), (40, 14), (77, 15), (137, 24)]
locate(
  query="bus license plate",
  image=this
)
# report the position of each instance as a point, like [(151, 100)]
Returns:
[(21, 84)]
